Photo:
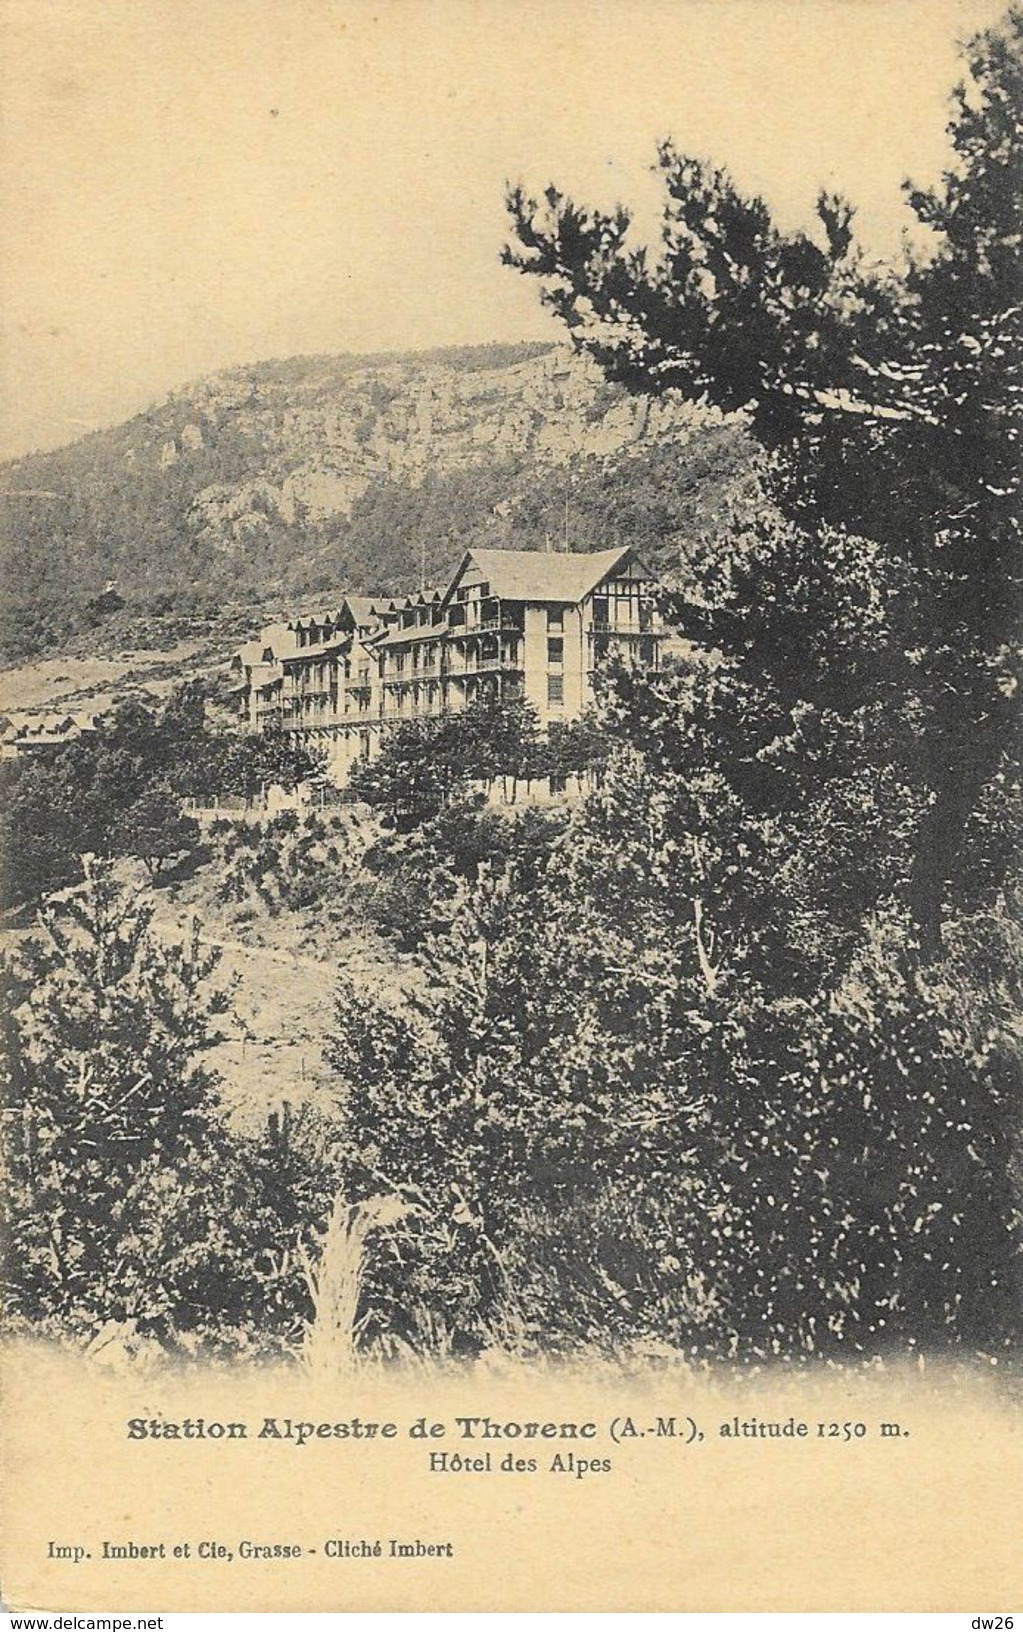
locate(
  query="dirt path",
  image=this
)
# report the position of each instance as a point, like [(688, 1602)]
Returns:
[(283, 1008), (283, 1012)]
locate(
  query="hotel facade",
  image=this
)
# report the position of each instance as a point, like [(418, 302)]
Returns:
[(509, 624)]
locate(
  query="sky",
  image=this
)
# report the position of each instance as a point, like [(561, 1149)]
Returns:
[(191, 184)]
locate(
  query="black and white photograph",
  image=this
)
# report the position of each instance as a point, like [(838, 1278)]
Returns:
[(510, 618)]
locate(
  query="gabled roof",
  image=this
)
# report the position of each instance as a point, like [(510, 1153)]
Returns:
[(318, 649), (278, 638), (363, 609), (45, 727), (533, 575)]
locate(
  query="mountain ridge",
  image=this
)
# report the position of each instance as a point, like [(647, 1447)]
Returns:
[(266, 484)]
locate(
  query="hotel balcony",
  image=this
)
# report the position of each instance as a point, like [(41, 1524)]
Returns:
[(488, 665), (393, 681), (506, 623), (300, 693), (600, 626)]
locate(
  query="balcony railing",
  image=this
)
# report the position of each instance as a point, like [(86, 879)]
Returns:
[(601, 627), (488, 664), (416, 678), (487, 626)]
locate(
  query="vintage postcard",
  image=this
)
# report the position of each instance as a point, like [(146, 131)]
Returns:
[(509, 806)]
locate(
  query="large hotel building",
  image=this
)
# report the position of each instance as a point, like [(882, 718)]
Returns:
[(511, 623)]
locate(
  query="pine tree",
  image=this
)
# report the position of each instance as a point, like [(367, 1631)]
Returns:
[(120, 1187), (889, 405)]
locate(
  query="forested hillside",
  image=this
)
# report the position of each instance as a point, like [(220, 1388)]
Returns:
[(263, 485)]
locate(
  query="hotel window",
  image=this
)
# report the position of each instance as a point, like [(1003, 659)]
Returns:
[(555, 688), (555, 617), (555, 650)]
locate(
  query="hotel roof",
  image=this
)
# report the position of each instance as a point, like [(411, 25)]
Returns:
[(364, 608), (533, 575), (395, 635)]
